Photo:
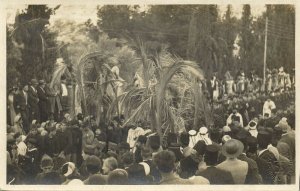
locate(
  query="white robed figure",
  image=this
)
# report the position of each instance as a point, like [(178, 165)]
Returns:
[(119, 84), (269, 105), (287, 81), (281, 78), (229, 83)]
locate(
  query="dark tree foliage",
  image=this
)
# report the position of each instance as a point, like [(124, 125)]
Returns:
[(36, 43)]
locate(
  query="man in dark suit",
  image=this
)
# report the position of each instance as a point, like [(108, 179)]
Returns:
[(213, 174), (21, 106), (43, 103), (33, 101), (253, 176)]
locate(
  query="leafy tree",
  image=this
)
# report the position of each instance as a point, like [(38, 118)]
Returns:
[(36, 42), (246, 42)]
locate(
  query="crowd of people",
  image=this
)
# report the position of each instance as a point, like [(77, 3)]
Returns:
[(277, 80), (45, 145)]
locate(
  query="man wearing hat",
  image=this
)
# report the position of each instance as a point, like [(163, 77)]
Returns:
[(213, 174), (231, 150), (43, 101), (33, 101)]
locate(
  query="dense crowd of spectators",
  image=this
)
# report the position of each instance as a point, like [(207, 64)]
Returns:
[(252, 142)]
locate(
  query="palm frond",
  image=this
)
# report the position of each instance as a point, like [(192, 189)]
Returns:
[(59, 70), (144, 106)]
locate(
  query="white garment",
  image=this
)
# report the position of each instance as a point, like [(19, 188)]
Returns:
[(133, 134), (22, 148), (77, 100), (273, 150), (268, 107), (193, 140), (253, 132), (64, 90)]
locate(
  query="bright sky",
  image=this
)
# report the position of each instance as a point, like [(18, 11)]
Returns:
[(81, 13)]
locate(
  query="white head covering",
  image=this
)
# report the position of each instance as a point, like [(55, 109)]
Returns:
[(146, 168), (71, 168), (76, 182), (115, 70)]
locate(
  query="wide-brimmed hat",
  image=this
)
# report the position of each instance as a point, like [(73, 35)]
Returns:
[(232, 148)]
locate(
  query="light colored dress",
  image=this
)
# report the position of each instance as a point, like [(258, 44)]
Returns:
[(11, 108)]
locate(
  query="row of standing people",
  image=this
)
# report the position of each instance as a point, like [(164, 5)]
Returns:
[(37, 101), (276, 81)]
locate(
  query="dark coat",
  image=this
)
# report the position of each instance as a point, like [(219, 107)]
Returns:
[(43, 103), (74, 141), (33, 102), (54, 100), (216, 176), (51, 145), (253, 176), (267, 167), (289, 139), (154, 172), (20, 102), (62, 139)]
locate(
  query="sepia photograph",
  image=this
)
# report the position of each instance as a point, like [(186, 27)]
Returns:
[(150, 94)]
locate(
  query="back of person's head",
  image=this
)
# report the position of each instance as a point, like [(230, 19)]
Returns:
[(154, 142), (127, 158), (263, 139), (165, 161), (200, 147), (188, 167), (171, 138), (211, 154), (109, 165), (123, 147), (137, 174), (118, 177), (252, 144), (215, 135), (96, 179), (146, 153), (142, 139), (93, 164), (184, 139), (242, 136)]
